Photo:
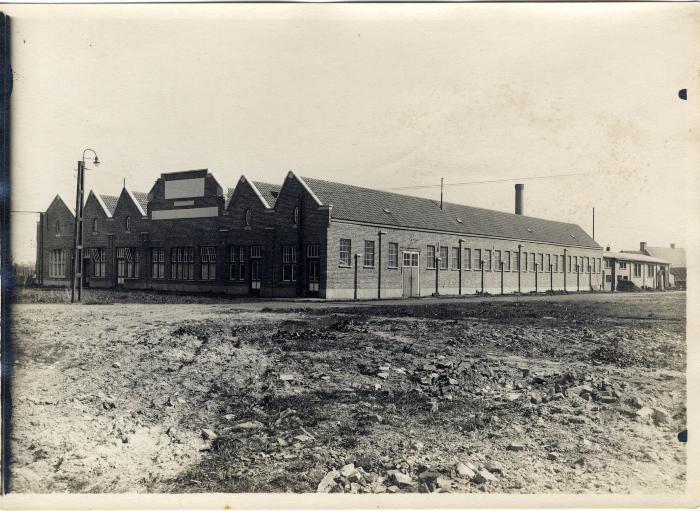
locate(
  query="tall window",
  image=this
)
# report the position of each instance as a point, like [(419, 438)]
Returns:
[(289, 263), (561, 264), (444, 258), (98, 262), (650, 270), (576, 268), (599, 265), (430, 263), (549, 263), (369, 253), (637, 270), (487, 260), (467, 258), (255, 252), (127, 224), (586, 265), (313, 251), (497, 260), (57, 227), (455, 258), (555, 269), (295, 216), (541, 262), (516, 261), (94, 225), (608, 263), (532, 261), (568, 264), (345, 248), (525, 261), (182, 263), (477, 259), (247, 217), (507, 260), (236, 263), (207, 257), (127, 263), (57, 263), (157, 263), (393, 255)]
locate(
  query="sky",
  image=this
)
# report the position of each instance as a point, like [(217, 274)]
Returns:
[(384, 96)]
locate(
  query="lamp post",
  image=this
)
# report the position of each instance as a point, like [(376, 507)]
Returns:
[(460, 266), (77, 283), (501, 263), (481, 266), (437, 275), (564, 267), (536, 290), (551, 278), (379, 268), (578, 278), (520, 265)]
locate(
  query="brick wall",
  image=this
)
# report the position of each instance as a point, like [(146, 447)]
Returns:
[(63, 239), (340, 282)]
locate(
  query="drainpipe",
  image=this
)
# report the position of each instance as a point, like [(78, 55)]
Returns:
[(590, 279), (481, 265), (520, 265), (357, 257), (565, 270), (578, 277), (437, 275), (460, 266), (379, 268), (536, 268), (501, 277)]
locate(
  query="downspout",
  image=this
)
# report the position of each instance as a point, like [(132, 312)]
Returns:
[(536, 270), (460, 266), (481, 265), (565, 270), (379, 268), (520, 265), (357, 256)]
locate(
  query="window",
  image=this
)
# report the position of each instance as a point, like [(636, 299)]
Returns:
[(561, 264), (555, 268), (568, 263), (587, 265), (467, 258), (576, 268), (608, 263), (57, 227), (650, 270), (255, 252), (236, 263), (312, 251), (430, 263), (455, 258), (487, 260), (94, 225), (637, 269), (541, 261), (289, 263), (532, 262), (158, 263), (57, 263), (98, 262), (393, 255), (444, 258), (623, 265), (247, 217), (477, 259), (182, 263), (410, 259), (369, 254), (295, 216), (516, 261), (345, 248), (506, 260), (207, 257), (525, 261), (599, 265), (548, 268), (497, 260), (127, 224), (127, 263)]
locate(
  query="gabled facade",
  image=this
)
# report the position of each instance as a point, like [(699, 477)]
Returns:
[(55, 238), (315, 238)]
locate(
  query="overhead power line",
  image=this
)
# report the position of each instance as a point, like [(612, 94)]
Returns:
[(464, 183)]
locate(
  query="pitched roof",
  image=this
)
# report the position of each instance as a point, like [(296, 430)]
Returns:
[(633, 256), (269, 191), (675, 256), (110, 201), (141, 199), (365, 205), (679, 273), (227, 197)]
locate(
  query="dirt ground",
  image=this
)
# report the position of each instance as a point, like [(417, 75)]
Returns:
[(558, 394)]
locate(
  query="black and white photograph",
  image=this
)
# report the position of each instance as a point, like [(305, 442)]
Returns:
[(395, 254)]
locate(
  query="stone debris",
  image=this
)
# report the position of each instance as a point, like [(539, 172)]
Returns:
[(484, 476), (660, 416), (208, 434), (644, 411), (287, 377), (515, 447), (464, 471), (328, 482)]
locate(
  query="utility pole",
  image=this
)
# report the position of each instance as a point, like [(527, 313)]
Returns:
[(77, 280), (593, 224), (442, 180)]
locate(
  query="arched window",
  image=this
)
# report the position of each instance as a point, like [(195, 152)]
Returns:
[(295, 218), (58, 227), (94, 224), (127, 224), (247, 217)]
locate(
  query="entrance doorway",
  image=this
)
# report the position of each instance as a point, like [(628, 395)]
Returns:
[(313, 277), (255, 276), (410, 271)]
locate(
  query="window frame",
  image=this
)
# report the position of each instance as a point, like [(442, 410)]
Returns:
[(369, 253), (347, 261), (430, 257), (456, 259), (444, 257), (158, 263), (393, 256), (207, 260)]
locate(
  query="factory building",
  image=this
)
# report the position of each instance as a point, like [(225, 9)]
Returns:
[(310, 238)]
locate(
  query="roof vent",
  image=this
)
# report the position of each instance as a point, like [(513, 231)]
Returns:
[(274, 194), (387, 210), (460, 221), (529, 229), (574, 237)]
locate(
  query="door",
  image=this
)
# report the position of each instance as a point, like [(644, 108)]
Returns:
[(87, 271), (313, 278), (255, 276), (411, 274)]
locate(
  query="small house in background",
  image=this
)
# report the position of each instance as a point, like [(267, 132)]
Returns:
[(674, 256), (643, 271)]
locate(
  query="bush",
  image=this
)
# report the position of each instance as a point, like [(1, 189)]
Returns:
[(627, 285)]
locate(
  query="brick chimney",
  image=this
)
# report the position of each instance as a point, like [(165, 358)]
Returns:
[(519, 199), (673, 245), (643, 247)]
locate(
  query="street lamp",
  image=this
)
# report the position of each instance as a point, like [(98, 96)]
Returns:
[(379, 268), (78, 234)]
